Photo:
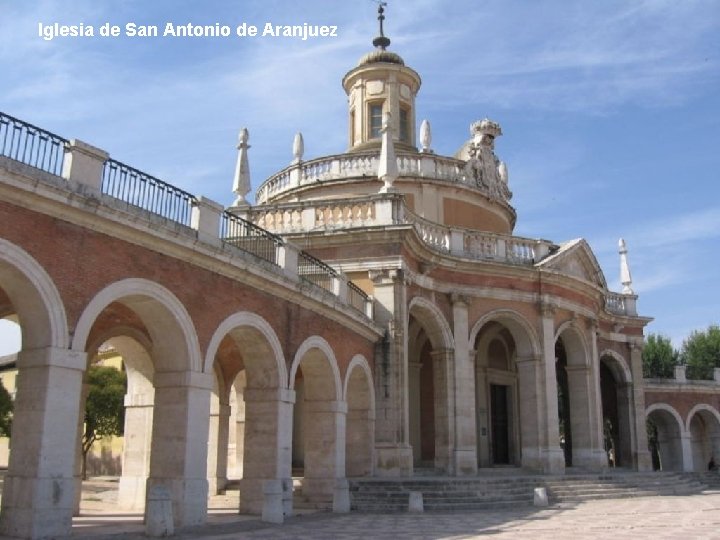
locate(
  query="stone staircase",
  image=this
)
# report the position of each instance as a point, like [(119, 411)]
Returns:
[(505, 490)]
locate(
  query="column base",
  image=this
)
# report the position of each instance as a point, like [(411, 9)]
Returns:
[(189, 499), (131, 492), (37, 507), (393, 460), (465, 462)]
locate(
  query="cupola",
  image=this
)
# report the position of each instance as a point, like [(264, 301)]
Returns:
[(381, 83)]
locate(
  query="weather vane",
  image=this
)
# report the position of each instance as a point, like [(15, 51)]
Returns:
[(381, 41)]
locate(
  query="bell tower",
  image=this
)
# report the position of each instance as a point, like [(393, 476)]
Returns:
[(381, 83)]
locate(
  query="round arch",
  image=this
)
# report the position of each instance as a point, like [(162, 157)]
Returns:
[(669, 409), (701, 407), (35, 297), (575, 343), (359, 362), (434, 322), (245, 319), (526, 341), (619, 366), (316, 342), (167, 313)]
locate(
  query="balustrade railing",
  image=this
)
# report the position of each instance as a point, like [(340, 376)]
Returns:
[(357, 297), (249, 237), (147, 192), (31, 145), (615, 303), (315, 271)]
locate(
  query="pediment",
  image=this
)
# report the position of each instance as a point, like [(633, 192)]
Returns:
[(576, 259)]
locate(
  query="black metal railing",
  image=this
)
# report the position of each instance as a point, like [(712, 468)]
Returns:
[(357, 297), (31, 145), (249, 237), (147, 192), (315, 271)]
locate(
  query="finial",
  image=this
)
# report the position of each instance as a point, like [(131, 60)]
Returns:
[(425, 137), (387, 168), (381, 41), (241, 181), (625, 277), (298, 148)]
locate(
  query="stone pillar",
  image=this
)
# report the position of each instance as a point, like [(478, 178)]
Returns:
[(625, 435), (178, 460), (598, 459), (443, 383), (324, 447), (218, 439), (581, 415), (687, 453), (267, 445), (482, 417), (392, 427), (39, 489), (414, 405), (531, 392), (553, 460), (83, 166), (359, 445), (136, 451), (641, 455), (464, 456)]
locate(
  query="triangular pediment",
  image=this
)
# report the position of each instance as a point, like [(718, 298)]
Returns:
[(576, 259)]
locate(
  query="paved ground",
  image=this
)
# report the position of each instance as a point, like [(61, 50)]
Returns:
[(681, 517)]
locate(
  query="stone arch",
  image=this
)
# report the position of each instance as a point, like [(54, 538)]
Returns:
[(359, 395), (44, 398), (619, 366), (268, 343), (181, 400), (432, 319), (324, 351), (35, 297), (617, 406), (671, 451), (577, 383), (318, 438), (703, 428), (163, 318), (526, 341), (255, 370), (506, 412)]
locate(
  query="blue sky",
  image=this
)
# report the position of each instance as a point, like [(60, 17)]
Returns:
[(610, 110)]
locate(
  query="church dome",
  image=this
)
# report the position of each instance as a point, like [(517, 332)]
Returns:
[(381, 56)]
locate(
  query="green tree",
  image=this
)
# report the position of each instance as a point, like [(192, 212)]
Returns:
[(6, 409), (659, 357), (701, 353), (104, 408)]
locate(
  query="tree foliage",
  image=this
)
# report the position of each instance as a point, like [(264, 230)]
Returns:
[(6, 409), (104, 407), (701, 353), (659, 357)]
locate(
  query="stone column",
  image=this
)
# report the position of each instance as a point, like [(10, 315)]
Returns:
[(641, 455), (465, 446), (218, 440), (482, 417), (687, 453), (178, 460), (444, 386), (39, 489), (598, 459), (324, 447), (267, 445), (531, 414), (414, 405), (582, 421), (625, 435), (136, 450), (392, 427), (553, 460)]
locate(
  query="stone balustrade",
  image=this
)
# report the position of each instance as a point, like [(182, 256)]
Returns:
[(354, 166)]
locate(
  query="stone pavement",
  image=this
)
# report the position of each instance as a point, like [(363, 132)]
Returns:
[(666, 517)]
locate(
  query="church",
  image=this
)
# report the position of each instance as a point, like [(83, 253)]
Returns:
[(370, 316)]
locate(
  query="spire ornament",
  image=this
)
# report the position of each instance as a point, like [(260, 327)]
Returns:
[(381, 42), (241, 181), (387, 167), (298, 148), (625, 277), (425, 137)]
